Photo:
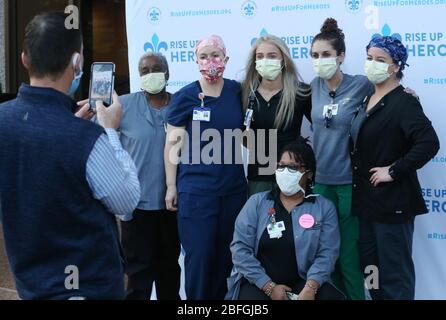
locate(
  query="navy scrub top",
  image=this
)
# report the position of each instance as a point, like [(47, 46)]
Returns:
[(226, 113)]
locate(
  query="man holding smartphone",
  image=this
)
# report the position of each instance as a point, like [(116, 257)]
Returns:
[(62, 179)]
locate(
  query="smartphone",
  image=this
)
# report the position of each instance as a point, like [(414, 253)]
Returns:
[(292, 296), (102, 83)]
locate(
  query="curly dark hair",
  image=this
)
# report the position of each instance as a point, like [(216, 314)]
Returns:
[(302, 152), (332, 33)]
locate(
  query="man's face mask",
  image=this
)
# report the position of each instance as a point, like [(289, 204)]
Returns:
[(77, 78)]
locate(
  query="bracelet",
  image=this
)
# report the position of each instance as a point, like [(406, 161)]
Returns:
[(312, 287), (269, 290)]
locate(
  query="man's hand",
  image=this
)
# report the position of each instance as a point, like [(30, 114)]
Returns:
[(84, 111), (380, 175), (109, 118), (172, 199)]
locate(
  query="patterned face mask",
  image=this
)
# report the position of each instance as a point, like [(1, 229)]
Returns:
[(212, 69)]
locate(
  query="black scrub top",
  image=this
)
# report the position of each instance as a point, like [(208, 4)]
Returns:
[(278, 256)]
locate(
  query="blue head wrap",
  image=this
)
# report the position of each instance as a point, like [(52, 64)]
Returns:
[(393, 47)]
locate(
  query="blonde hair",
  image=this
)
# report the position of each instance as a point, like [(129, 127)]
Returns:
[(292, 81)]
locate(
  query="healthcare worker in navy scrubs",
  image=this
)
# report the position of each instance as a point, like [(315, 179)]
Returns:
[(207, 194)]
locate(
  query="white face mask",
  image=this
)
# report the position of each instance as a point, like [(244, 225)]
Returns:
[(377, 72), (325, 67), (289, 183), (269, 69), (154, 83)]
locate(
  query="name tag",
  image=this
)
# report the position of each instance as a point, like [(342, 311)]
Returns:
[(275, 231), (202, 114), (334, 108), (248, 118)]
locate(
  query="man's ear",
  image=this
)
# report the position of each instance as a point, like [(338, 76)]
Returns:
[(227, 60), (78, 65), (25, 60)]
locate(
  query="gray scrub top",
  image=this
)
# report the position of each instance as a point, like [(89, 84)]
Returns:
[(143, 136)]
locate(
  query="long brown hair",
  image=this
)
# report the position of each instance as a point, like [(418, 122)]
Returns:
[(292, 81)]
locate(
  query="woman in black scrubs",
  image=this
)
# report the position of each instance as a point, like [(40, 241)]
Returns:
[(391, 139), (278, 98)]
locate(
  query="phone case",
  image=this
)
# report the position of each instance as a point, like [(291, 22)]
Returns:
[(107, 102)]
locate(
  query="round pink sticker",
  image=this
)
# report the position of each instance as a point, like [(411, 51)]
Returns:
[(306, 221)]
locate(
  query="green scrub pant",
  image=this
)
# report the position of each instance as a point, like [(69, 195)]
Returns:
[(347, 276)]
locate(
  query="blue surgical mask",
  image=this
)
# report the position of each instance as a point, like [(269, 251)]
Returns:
[(75, 84), (77, 79)]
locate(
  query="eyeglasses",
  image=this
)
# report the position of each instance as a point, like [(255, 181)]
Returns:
[(291, 168)]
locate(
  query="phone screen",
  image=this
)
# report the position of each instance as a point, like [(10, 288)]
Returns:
[(101, 88)]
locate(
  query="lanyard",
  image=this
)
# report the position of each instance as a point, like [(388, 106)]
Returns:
[(272, 216), (201, 96)]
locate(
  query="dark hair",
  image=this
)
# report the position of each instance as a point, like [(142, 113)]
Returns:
[(399, 74), (49, 45), (302, 152), (330, 32)]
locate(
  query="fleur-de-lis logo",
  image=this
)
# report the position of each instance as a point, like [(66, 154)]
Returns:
[(155, 46), (249, 9), (154, 15), (353, 5), (387, 31), (262, 34)]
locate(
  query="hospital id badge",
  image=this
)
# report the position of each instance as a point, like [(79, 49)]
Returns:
[(333, 107), (202, 114), (275, 230), (275, 235), (248, 118)]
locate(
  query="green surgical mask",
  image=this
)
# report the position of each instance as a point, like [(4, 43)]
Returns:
[(269, 69), (377, 72), (154, 83), (325, 67)]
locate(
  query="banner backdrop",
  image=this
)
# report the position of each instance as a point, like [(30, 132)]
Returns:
[(173, 27)]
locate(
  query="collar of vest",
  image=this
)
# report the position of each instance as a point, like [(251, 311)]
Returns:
[(45, 97)]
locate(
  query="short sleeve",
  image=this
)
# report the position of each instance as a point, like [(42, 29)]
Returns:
[(180, 109), (127, 101)]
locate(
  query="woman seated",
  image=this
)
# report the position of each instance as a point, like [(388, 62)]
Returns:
[(286, 241)]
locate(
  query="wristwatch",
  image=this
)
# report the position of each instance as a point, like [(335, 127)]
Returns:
[(392, 173)]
